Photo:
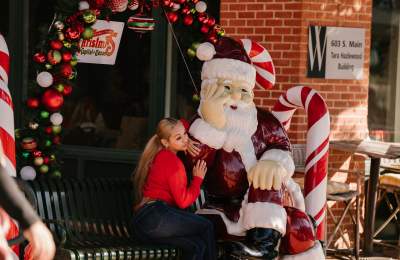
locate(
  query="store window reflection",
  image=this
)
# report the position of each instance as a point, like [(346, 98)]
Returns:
[(109, 106), (384, 89)]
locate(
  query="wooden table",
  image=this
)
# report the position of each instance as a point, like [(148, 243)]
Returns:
[(375, 150)]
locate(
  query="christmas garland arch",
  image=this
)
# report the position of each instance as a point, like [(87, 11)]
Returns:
[(56, 72)]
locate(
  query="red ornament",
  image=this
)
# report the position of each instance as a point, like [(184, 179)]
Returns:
[(39, 57), (203, 18), (204, 29), (46, 160), (195, 1), (185, 10), (52, 100), (66, 70), (28, 143), (48, 130), (172, 17), (212, 37), (67, 90), (72, 33), (57, 139), (96, 4), (37, 153), (168, 3), (180, 1), (54, 57), (211, 21), (32, 103), (188, 20), (66, 56), (79, 27), (56, 44)]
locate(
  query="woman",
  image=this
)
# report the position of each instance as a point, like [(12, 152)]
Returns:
[(161, 194)]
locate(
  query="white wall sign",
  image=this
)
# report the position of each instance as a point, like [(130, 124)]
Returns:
[(103, 47), (336, 52)]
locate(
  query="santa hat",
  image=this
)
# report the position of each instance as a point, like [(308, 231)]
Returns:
[(238, 60)]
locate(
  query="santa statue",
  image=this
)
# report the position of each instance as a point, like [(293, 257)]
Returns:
[(248, 156)]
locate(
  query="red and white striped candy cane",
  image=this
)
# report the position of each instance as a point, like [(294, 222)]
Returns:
[(6, 112), (315, 184), (7, 226)]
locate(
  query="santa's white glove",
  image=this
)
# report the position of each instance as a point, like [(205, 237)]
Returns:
[(267, 174), (213, 98)]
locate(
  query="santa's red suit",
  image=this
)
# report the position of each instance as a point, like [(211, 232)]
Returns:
[(246, 136), (230, 154)]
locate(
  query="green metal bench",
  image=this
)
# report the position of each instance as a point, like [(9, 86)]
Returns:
[(90, 219)]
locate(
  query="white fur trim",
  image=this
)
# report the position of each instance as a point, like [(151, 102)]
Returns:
[(207, 134), (284, 158), (229, 69), (314, 253), (251, 215), (296, 194), (264, 215)]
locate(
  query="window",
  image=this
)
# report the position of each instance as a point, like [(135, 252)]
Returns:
[(384, 88)]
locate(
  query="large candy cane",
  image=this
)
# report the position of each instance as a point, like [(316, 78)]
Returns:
[(7, 227), (6, 112), (316, 147)]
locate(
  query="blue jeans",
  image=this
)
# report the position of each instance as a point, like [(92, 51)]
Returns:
[(159, 223)]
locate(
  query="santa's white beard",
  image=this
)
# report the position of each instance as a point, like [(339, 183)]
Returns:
[(242, 120), (241, 124)]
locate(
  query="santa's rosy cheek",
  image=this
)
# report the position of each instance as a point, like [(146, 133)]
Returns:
[(247, 98)]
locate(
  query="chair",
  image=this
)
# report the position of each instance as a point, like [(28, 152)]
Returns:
[(389, 189), (339, 193)]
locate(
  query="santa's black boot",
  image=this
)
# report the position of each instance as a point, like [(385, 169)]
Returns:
[(260, 243)]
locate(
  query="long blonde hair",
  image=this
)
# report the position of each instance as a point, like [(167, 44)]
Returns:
[(153, 146)]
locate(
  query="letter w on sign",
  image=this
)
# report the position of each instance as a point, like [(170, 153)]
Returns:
[(317, 40)]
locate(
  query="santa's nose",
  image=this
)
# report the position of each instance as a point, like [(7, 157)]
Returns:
[(236, 96)]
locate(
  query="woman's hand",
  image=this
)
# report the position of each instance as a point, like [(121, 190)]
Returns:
[(200, 169), (41, 241), (192, 148)]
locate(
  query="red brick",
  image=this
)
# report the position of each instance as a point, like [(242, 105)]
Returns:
[(283, 14), (255, 7), (255, 22), (246, 15), (264, 14), (245, 30), (293, 6), (237, 7)]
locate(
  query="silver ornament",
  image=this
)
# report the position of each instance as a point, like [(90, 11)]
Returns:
[(59, 25)]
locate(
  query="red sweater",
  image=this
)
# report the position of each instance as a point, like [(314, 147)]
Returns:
[(167, 181)]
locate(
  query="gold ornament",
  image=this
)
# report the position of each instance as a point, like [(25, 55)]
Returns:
[(61, 36), (89, 16)]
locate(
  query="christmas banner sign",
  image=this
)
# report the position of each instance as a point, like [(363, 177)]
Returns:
[(102, 48)]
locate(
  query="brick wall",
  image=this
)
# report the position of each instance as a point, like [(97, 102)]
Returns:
[(282, 27)]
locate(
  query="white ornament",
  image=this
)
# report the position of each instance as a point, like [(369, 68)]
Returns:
[(205, 51), (56, 119), (44, 79), (27, 173), (176, 7), (83, 5), (201, 7)]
